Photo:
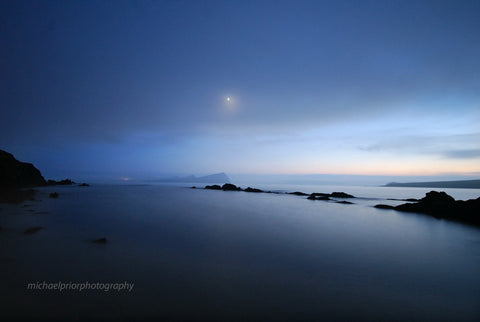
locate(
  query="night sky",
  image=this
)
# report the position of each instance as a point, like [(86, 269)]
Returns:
[(245, 87)]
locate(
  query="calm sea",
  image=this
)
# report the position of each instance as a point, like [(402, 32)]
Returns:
[(197, 254)]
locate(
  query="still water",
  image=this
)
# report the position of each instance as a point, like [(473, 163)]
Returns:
[(197, 254)]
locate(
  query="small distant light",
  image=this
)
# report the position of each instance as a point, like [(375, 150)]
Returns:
[(125, 179)]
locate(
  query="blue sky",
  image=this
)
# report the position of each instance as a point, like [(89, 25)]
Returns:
[(335, 87)]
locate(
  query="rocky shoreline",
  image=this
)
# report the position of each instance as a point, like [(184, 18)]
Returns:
[(16, 176), (436, 204), (16, 182)]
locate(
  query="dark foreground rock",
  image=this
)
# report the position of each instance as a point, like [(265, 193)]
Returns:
[(16, 174), (441, 205)]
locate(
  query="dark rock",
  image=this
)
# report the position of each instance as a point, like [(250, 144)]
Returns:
[(345, 202), (298, 193), (382, 206), (441, 205), (32, 230), (327, 196), (64, 182), (319, 194), (102, 240), (341, 195), (249, 189), (16, 174), (230, 187), (434, 203), (84, 185), (193, 187), (54, 195), (214, 187)]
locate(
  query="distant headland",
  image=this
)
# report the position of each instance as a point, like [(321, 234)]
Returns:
[(212, 178), (462, 184)]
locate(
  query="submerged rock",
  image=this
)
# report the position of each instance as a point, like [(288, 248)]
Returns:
[(32, 230), (102, 240), (54, 195), (345, 202), (84, 185)]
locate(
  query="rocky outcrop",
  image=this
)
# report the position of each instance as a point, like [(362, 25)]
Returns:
[(327, 196), (441, 205), (214, 187), (341, 195), (225, 187), (230, 187), (249, 189), (298, 193), (16, 174), (64, 182)]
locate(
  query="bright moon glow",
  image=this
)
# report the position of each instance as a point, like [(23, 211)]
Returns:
[(228, 99)]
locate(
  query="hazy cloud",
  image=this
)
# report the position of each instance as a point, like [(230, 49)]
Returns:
[(462, 154)]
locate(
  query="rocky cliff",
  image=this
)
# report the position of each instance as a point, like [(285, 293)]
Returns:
[(16, 174)]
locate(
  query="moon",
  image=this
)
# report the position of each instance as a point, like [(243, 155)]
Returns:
[(228, 99)]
